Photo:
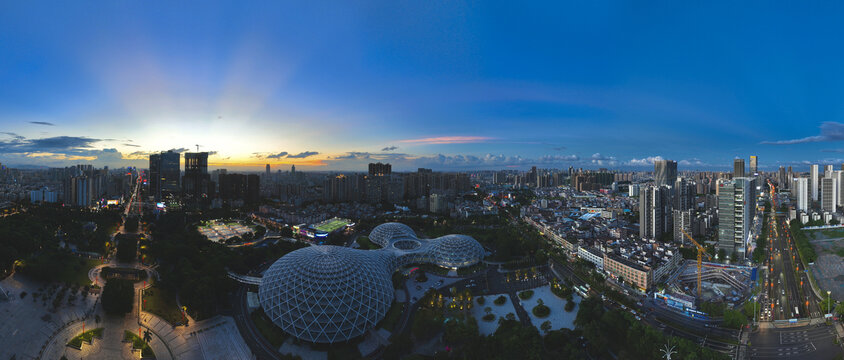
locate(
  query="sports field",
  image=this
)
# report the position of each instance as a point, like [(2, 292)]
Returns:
[(332, 224)]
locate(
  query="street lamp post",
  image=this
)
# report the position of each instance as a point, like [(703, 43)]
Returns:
[(828, 301)]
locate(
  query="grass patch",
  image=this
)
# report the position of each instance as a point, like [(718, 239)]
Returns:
[(76, 273), (87, 337), (332, 225), (162, 303), (392, 316), (527, 294), (365, 244), (139, 344), (266, 327)]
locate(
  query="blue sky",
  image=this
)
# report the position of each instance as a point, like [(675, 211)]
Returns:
[(448, 85)]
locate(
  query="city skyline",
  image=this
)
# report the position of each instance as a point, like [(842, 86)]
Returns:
[(450, 86)]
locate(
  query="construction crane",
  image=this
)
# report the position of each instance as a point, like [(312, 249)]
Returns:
[(700, 252)]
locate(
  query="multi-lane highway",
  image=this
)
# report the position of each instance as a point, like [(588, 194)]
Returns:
[(788, 292)]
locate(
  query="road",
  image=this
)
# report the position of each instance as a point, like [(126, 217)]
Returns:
[(801, 342)]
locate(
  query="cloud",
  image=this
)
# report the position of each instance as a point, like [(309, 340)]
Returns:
[(599, 159), (833, 150), (42, 123), (559, 148), (448, 140), (132, 145), (645, 161), (692, 162), (180, 150), (58, 144), (277, 156), (303, 155), (830, 131), (389, 148)]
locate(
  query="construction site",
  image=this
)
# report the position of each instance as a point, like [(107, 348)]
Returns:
[(718, 282)]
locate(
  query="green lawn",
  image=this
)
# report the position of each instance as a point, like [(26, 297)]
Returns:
[(139, 343), (87, 336), (270, 332), (76, 272), (332, 225), (392, 316), (365, 244), (162, 303)]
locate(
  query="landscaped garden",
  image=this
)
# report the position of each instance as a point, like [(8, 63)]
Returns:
[(527, 294), (162, 302), (87, 337), (138, 344), (540, 310)]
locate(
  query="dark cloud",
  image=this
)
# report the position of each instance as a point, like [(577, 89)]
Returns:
[(830, 131), (210, 153), (42, 123), (303, 155), (132, 145), (277, 156), (180, 150), (140, 153), (389, 148)]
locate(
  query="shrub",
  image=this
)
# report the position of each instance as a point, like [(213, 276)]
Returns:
[(570, 306), (481, 300), (488, 317), (527, 294), (500, 300), (541, 311)]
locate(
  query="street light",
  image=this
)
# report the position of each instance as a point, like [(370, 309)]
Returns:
[(828, 300)]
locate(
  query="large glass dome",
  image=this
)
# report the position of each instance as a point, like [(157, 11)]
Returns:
[(455, 251), (382, 234), (327, 294)]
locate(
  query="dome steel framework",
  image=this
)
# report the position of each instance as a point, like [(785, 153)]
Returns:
[(329, 294)]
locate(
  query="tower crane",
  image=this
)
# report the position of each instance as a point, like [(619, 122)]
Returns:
[(700, 252)]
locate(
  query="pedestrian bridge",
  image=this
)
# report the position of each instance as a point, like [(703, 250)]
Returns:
[(243, 279)]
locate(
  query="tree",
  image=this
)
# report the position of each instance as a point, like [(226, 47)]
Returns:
[(734, 319), (131, 224), (117, 296), (545, 326), (127, 247)]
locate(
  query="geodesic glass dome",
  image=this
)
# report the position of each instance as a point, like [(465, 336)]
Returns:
[(327, 294), (455, 251), (382, 234)]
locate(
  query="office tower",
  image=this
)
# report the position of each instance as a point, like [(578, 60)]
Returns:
[(827, 171), (839, 178), (234, 187), (813, 182), (738, 168), (684, 194), (829, 198), (665, 172), (292, 169), (267, 172), (164, 174), (782, 180), (654, 211), (196, 184), (736, 209), (753, 164), (800, 191), (682, 221)]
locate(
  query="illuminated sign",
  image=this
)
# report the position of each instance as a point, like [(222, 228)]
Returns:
[(160, 205), (112, 202)]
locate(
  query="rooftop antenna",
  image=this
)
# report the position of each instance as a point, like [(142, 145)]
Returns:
[(197, 147)]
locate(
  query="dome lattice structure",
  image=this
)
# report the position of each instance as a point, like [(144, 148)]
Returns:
[(383, 234), (329, 294), (326, 294), (455, 251)]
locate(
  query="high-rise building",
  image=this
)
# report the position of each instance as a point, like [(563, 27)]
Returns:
[(782, 179), (665, 172), (738, 168), (379, 169), (813, 182), (736, 209), (682, 222), (753, 165), (827, 171), (654, 211), (829, 187), (267, 172), (839, 178), (196, 184), (684, 194), (164, 174), (800, 191)]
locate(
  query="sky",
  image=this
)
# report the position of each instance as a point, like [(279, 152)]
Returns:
[(448, 85)]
